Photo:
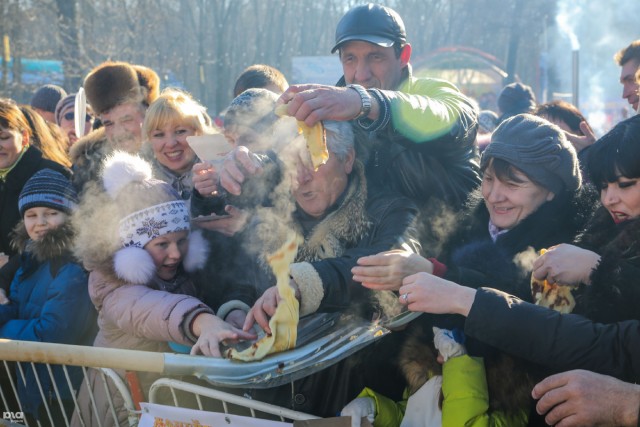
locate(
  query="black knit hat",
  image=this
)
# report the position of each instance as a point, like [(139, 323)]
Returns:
[(372, 23), (539, 149), (47, 97), (253, 108), (48, 188), (516, 98)]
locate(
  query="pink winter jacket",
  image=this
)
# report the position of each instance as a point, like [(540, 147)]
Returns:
[(137, 317)]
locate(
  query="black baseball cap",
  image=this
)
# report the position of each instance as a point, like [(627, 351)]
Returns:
[(371, 23)]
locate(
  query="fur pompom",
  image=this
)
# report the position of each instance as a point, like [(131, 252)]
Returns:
[(134, 265), (197, 253), (121, 169)]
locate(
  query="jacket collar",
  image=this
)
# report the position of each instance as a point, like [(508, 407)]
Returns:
[(343, 227)]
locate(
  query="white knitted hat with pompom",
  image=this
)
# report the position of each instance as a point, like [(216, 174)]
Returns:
[(151, 208)]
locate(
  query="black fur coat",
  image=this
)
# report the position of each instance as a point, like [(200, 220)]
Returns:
[(614, 293), (474, 260)]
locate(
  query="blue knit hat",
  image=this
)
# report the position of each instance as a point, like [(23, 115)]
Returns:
[(48, 188)]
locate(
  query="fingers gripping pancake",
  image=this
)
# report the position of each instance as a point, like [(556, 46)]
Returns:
[(284, 323), (552, 295), (315, 137)]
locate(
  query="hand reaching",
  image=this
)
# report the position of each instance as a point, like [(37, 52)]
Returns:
[(566, 264), (212, 331), (386, 270)]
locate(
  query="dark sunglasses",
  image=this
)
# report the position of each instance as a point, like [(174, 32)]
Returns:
[(71, 115)]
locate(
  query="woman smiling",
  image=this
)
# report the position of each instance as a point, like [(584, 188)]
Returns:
[(171, 118), (530, 198), (19, 160)]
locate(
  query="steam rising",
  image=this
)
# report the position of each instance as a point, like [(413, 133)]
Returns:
[(524, 260), (566, 20)]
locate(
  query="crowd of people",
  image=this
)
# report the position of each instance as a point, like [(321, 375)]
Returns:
[(114, 233)]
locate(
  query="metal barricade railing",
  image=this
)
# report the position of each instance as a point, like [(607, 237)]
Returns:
[(255, 408), (64, 368)]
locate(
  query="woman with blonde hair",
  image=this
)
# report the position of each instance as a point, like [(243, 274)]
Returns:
[(170, 119)]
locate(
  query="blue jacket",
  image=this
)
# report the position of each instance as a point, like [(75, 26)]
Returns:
[(49, 302)]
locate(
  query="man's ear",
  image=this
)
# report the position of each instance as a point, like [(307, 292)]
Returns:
[(405, 54), (349, 161)]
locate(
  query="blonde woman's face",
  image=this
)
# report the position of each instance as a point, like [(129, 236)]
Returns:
[(170, 147)]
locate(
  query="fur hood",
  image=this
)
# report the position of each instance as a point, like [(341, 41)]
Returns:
[(87, 155), (88, 145), (345, 226), (55, 244)]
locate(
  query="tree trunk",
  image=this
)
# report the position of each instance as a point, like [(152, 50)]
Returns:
[(70, 46)]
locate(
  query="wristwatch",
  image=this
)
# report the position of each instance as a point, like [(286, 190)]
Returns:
[(365, 99)]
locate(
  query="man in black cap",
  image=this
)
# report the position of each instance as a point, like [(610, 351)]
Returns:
[(416, 136)]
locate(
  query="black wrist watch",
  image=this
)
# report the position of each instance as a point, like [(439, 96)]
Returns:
[(365, 100)]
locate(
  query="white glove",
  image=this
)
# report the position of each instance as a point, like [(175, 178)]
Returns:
[(3, 297), (358, 408), (447, 344)]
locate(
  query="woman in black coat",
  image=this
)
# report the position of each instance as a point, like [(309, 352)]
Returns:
[(18, 162), (605, 259)]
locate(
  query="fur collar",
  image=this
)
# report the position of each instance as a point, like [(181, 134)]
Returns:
[(55, 244), (602, 235), (89, 144), (508, 381), (343, 227)]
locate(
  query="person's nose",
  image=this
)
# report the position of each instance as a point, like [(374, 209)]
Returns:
[(610, 196), (174, 251), (304, 175), (496, 192), (363, 72)]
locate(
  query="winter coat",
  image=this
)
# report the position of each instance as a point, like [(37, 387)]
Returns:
[(557, 341), (462, 387), (362, 223), (427, 148), (614, 292), (30, 163), (474, 260), (139, 317), (183, 183), (49, 302), (135, 317)]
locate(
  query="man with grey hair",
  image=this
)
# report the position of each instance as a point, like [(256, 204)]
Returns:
[(341, 221)]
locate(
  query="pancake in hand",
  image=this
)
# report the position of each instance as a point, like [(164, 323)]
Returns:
[(555, 296), (284, 323), (315, 137)]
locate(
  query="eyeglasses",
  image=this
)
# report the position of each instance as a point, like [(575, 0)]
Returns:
[(71, 115)]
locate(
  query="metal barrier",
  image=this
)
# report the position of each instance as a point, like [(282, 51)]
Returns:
[(254, 407), (68, 391)]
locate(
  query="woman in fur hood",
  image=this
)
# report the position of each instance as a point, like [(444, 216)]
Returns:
[(48, 298), (605, 259)]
